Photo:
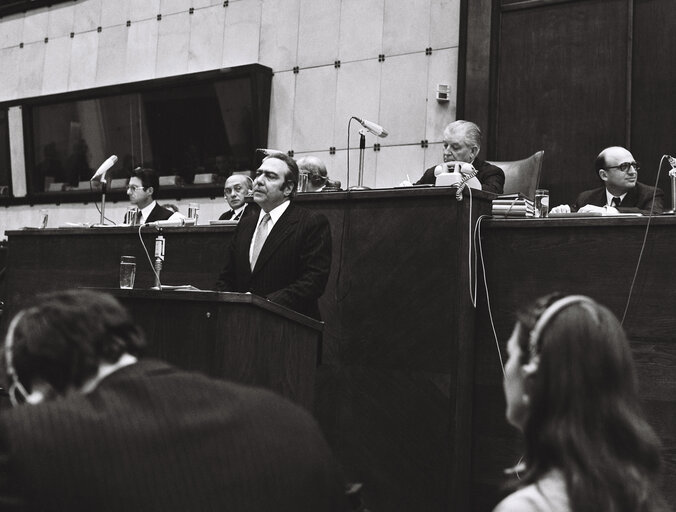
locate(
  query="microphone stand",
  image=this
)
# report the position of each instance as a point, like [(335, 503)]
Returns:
[(672, 175), (362, 147), (103, 200)]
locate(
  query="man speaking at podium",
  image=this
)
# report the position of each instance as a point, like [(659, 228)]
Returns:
[(284, 253)]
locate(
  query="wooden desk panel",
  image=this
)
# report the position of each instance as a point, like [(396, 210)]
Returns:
[(394, 391), (597, 257)]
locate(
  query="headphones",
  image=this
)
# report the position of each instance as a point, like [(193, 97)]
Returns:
[(545, 318), (15, 385)]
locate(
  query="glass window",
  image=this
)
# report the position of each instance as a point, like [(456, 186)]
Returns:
[(194, 133)]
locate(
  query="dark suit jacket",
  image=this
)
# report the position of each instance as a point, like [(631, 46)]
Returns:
[(158, 213), (491, 177), (152, 437), (637, 200), (293, 266), (249, 209)]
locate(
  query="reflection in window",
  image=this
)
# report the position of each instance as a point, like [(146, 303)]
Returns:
[(206, 129)]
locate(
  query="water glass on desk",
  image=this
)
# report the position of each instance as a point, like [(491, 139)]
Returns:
[(44, 217), (541, 203), (127, 272), (193, 211), (131, 216)]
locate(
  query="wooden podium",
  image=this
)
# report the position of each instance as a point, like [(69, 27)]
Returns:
[(235, 336)]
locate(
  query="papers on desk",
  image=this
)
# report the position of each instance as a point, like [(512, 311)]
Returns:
[(513, 206), (223, 222), (179, 287)]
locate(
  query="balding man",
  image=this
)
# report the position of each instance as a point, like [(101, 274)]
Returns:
[(462, 143), (621, 191), (237, 188), (316, 172)]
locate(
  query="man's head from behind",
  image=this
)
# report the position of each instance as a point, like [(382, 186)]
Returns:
[(276, 181), (61, 340), (617, 169), (462, 141), (143, 186), (316, 171), (237, 187)]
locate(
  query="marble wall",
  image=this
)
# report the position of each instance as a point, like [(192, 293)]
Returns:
[(332, 59)]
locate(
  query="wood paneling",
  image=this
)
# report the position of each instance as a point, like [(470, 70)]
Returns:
[(394, 390), (596, 258), (562, 87), (653, 120)]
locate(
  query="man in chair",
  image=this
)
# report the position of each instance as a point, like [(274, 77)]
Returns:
[(621, 191), (462, 143), (142, 189)]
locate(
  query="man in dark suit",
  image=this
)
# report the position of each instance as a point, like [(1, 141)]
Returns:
[(621, 191), (236, 190), (142, 190), (291, 264), (105, 430), (462, 143)]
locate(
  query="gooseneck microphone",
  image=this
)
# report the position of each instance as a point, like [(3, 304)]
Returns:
[(374, 128), (103, 168)]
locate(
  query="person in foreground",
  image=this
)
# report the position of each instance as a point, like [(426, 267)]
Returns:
[(462, 143), (571, 387), (237, 188), (105, 430), (621, 191), (284, 253)]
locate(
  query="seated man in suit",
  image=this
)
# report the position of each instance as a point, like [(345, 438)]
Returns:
[(237, 188), (291, 265), (462, 143), (621, 191), (317, 176), (144, 185), (106, 430)]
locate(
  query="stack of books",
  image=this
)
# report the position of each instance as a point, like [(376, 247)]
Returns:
[(513, 206)]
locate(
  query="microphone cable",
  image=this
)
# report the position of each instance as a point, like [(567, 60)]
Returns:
[(645, 239), (91, 189)]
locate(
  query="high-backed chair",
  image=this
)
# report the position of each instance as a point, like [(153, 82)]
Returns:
[(522, 175)]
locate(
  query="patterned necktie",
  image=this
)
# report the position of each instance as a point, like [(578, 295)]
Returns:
[(259, 240), (615, 202)]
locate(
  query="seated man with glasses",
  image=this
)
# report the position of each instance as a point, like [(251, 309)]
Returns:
[(142, 189), (621, 191), (237, 189)]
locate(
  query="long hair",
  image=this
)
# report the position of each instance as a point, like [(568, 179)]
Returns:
[(584, 416)]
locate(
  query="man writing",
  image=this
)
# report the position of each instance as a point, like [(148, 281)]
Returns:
[(462, 143), (106, 430), (621, 191), (284, 253), (237, 188), (142, 189)]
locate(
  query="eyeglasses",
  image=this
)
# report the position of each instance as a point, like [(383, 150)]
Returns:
[(625, 166), (134, 188)]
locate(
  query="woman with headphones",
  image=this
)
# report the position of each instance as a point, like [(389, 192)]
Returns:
[(571, 388)]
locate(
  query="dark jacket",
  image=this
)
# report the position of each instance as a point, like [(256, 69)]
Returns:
[(152, 438), (638, 199), (293, 266)]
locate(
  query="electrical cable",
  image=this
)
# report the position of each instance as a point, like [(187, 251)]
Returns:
[(645, 238)]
